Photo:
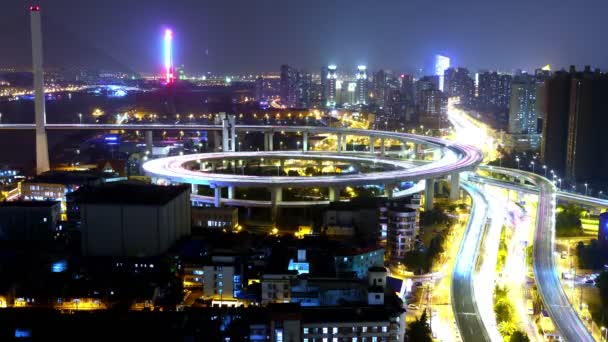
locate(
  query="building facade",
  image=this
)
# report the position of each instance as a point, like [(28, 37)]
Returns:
[(126, 220)]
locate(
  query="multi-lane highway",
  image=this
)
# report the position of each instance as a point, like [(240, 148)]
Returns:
[(464, 305), (552, 293)]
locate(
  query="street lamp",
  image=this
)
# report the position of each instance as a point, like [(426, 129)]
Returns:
[(586, 189), (80, 117), (545, 167), (517, 160), (532, 162), (559, 181)]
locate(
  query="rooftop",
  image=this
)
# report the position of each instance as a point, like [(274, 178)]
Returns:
[(28, 204), (70, 177), (128, 193)]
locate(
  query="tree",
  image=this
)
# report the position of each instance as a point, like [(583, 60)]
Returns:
[(568, 221), (519, 336), (602, 283), (419, 330)]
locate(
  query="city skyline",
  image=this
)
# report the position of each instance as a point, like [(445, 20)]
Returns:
[(236, 36)]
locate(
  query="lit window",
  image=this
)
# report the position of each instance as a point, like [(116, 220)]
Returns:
[(354, 339), (335, 339), (325, 330), (306, 330), (374, 339), (334, 330), (364, 329)]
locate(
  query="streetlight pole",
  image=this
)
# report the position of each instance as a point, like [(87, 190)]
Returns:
[(532, 162), (517, 160), (586, 189), (545, 167), (80, 117)]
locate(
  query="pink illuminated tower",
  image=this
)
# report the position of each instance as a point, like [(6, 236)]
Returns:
[(168, 55)]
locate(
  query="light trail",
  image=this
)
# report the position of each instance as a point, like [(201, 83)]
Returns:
[(463, 296), (485, 278), (552, 293)]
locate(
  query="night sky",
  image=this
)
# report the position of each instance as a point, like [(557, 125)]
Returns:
[(238, 36)]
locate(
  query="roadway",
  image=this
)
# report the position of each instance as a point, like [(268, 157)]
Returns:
[(176, 170), (554, 297), (463, 297), (531, 189)]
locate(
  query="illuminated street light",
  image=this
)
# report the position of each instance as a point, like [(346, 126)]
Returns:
[(532, 166), (545, 167), (80, 117), (517, 160), (586, 189)]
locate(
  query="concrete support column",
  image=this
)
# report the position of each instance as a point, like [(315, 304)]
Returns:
[(372, 148), (416, 147), (195, 189), (149, 139), (217, 196), (382, 147), (429, 194), (339, 142), (437, 153), (388, 190), (334, 194), (228, 132), (454, 186), (305, 141), (276, 196), (231, 192), (268, 141), (403, 150)]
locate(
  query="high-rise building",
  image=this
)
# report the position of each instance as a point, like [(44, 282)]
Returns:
[(524, 110), (425, 83), (402, 227), (329, 90), (296, 87), (288, 86), (433, 103), (458, 83), (361, 96), (586, 153), (555, 124), (442, 63), (573, 142), (304, 90), (494, 90), (407, 88), (379, 88)]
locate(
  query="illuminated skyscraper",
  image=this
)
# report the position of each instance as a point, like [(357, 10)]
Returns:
[(361, 97), (524, 110), (329, 91), (442, 63)]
